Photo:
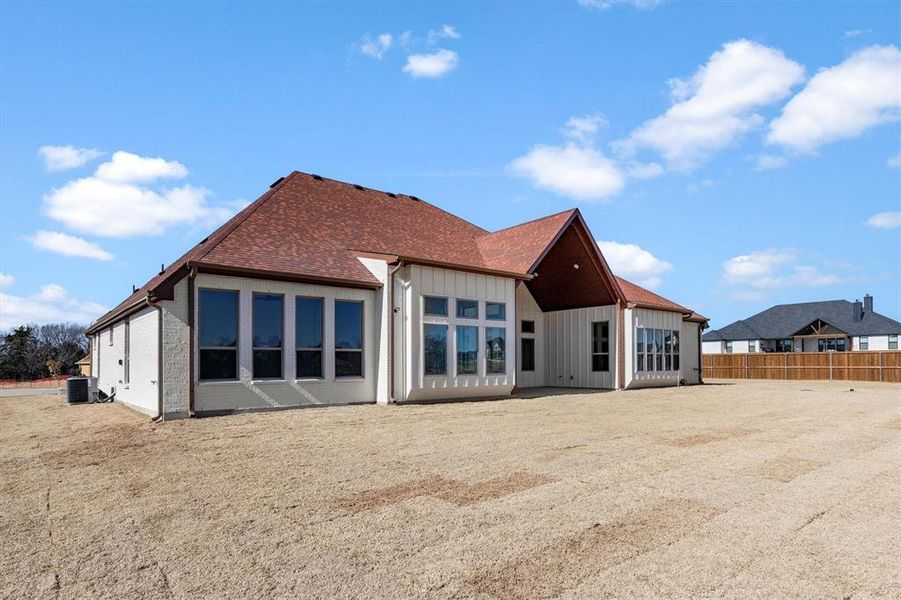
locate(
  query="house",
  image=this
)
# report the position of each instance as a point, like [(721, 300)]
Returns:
[(84, 365), (835, 325), (323, 292)]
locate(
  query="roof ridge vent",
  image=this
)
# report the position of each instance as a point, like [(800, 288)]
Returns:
[(359, 187), (415, 198), (390, 194), (316, 177), (276, 182)]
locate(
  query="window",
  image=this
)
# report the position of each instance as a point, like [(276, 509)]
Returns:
[(268, 332), (675, 351), (467, 309), (893, 341), (495, 311), (218, 334), (668, 349), (831, 344), (864, 342), (348, 338), (752, 346), (308, 337), (639, 349), (783, 345), (434, 306), (127, 363), (600, 346), (658, 348), (528, 354), (527, 327), (840, 344), (467, 350), (495, 350), (728, 347), (434, 348)]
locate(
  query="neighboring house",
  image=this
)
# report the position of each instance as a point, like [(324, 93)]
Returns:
[(84, 366), (836, 325), (322, 292)]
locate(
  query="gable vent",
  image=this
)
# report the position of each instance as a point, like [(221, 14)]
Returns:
[(316, 177)]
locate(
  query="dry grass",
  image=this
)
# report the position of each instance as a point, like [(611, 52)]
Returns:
[(757, 489)]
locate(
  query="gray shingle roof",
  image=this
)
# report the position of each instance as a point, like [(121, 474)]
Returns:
[(784, 320)]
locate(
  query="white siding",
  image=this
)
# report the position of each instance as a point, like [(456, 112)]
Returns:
[(654, 319), (876, 342), (246, 393), (428, 281), (568, 348), (380, 269), (140, 393), (717, 347), (527, 310), (688, 351)]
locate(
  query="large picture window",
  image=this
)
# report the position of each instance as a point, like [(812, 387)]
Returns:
[(218, 334), (308, 337), (268, 335), (348, 338), (656, 349), (435, 349), (675, 351), (495, 350), (639, 349), (668, 349), (467, 350), (600, 346)]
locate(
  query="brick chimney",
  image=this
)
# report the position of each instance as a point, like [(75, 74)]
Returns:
[(857, 307), (868, 303)]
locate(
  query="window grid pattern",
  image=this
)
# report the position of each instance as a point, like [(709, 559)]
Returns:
[(659, 350)]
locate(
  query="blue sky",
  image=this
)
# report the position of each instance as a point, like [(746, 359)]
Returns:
[(729, 156)]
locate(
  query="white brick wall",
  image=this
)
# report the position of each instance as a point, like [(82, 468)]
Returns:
[(176, 383), (140, 393), (249, 394)]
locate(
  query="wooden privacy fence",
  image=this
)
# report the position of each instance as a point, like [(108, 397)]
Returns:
[(829, 366)]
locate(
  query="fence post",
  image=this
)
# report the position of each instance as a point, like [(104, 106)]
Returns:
[(785, 366), (880, 367), (746, 366), (830, 365)]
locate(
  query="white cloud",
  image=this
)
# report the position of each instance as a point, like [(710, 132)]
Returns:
[(435, 64), (894, 162), (60, 158), (378, 47), (852, 33), (750, 267), (885, 220), (126, 167), (842, 101), (446, 32), (6, 280), (634, 263), (52, 303), (576, 171), (644, 170), (717, 104), (770, 161), (107, 209), (68, 245), (583, 129), (606, 4), (771, 269)]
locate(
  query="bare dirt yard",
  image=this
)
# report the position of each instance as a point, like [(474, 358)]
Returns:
[(769, 489)]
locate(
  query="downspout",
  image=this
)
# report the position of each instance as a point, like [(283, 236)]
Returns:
[(191, 358), (391, 311), (700, 355), (159, 357)]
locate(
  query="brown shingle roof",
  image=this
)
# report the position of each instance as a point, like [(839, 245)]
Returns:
[(635, 294), (308, 226)]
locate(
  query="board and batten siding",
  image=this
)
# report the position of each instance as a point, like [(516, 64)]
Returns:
[(568, 347), (247, 393), (431, 281), (651, 319), (527, 310), (688, 353)]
